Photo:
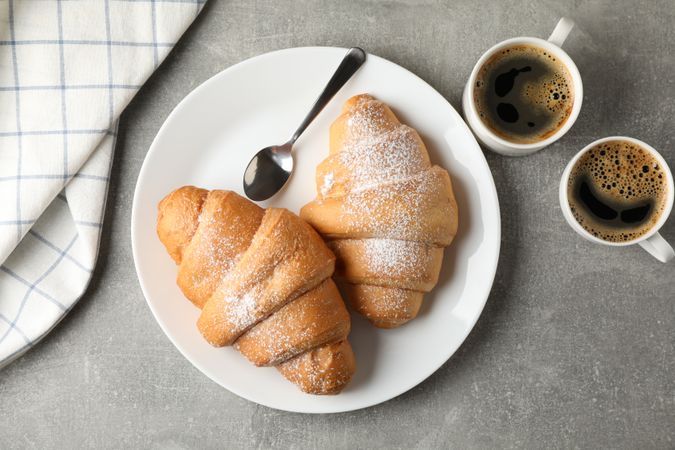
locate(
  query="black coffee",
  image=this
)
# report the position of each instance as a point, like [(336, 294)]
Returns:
[(524, 94), (617, 191)]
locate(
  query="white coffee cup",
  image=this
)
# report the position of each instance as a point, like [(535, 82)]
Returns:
[(650, 241), (498, 144)]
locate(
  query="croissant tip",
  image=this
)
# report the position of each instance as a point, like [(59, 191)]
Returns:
[(356, 99)]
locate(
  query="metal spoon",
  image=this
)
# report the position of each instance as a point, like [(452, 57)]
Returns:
[(272, 166)]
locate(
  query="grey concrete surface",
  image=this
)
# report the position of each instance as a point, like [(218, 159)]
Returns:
[(575, 348)]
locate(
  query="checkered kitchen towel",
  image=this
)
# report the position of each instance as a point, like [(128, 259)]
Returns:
[(67, 70)]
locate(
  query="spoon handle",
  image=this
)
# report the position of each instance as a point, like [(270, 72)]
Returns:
[(354, 58)]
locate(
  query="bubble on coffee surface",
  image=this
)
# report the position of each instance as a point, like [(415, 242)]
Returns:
[(524, 94), (617, 191)]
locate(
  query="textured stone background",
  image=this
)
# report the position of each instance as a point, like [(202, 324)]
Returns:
[(576, 346)]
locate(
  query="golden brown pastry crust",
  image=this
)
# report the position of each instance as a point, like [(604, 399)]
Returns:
[(177, 224), (226, 226), (286, 258), (386, 212), (262, 279), (315, 318), (323, 370), (384, 307)]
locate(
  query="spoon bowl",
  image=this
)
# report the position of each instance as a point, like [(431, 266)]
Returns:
[(268, 171)]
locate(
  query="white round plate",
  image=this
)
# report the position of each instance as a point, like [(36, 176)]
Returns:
[(208, 140)]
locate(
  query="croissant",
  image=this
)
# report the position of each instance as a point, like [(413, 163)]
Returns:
[(262, 281), (384, 210)]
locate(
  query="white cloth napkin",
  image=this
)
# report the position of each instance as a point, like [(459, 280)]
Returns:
[(67, 70)]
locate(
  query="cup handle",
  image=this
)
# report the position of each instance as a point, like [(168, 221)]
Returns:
[(561, 31), (658, 248)]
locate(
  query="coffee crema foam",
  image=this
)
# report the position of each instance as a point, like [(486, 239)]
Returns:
[(623, 177), (524, 94)]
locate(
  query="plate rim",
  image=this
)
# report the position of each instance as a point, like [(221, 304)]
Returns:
[(492, 270)]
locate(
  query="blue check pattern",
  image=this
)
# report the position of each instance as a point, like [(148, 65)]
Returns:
[(67, 71)]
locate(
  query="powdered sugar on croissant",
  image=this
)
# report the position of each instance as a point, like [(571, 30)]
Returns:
[(386, 212)]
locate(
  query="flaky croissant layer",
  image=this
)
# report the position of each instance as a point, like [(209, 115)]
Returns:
[(262, 280)]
